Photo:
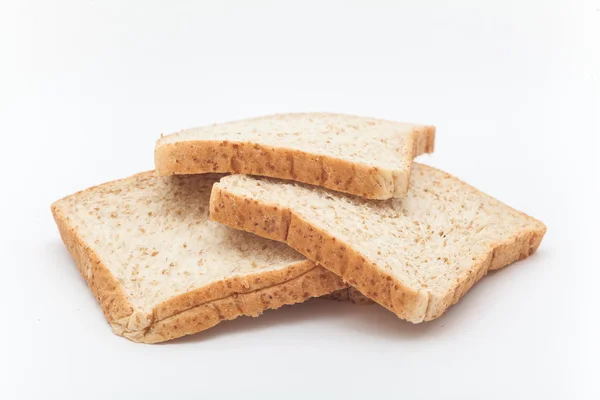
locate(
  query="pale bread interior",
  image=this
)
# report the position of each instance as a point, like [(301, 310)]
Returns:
[(154, 235)]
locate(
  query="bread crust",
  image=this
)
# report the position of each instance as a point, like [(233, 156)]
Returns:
[(280, 223), (204, 156), (104, 285), (187, 313), (316, 282)]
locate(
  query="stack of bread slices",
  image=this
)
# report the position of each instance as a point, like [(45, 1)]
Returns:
[(252, 215)]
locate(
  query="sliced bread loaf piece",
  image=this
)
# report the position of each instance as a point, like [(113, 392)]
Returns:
[(161, 269), (416, 256), (363, 156)]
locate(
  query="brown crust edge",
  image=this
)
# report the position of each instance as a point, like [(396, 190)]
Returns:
[(195, 157), (103, 284), (282, 224), (314, 283), (132, 323)]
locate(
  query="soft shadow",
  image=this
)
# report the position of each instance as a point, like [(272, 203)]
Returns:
[(370, 320)]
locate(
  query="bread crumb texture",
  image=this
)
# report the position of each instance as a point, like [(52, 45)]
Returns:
[(162, 269), (415, 256), (358, 155)]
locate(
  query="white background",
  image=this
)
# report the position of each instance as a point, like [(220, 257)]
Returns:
[(86, 87)]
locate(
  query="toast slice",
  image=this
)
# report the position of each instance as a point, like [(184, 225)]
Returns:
[(161, 269), (415, 256), (362, 156)]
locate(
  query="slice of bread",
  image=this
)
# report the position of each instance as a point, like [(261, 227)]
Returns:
[(415, 256), (362, 156), (161, 269)]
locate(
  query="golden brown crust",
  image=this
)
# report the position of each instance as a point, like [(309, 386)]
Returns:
[(194, 157), (282, 224)]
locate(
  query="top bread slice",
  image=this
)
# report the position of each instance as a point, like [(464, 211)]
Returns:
[(416, 256), (161, 269), (362, 156)]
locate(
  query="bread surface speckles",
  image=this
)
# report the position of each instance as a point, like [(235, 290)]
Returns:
[(149, 252), (416, 256)]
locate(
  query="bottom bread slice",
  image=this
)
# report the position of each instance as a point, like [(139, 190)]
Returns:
[(161, 269), (316, 282), (415, 256)]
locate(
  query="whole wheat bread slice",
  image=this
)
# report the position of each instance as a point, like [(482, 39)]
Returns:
[(161, 269), (363, 156), (416, 256)]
